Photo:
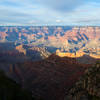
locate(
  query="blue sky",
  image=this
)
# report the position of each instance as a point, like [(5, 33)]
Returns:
[(51, 12)]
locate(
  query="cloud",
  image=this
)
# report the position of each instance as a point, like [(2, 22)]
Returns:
[(50, 11), (62, 5), (58, 21)]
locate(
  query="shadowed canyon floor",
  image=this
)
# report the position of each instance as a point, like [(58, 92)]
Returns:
[(50, 78)]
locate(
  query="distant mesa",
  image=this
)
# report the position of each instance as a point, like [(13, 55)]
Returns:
[(72, 55), (76, 54)]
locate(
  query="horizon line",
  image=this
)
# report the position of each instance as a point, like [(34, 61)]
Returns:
[(50, 25)]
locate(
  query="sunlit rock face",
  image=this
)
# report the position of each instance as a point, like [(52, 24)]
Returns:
[(65, 38)]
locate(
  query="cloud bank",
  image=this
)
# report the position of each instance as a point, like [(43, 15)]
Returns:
[(52, 12)]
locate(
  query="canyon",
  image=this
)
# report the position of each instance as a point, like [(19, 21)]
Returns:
[(50, 60), (48, 79), (77, 40)]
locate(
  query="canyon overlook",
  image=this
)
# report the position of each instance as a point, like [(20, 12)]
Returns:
[(69, 41)]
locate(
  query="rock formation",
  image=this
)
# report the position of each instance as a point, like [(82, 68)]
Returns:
[(88, 88)]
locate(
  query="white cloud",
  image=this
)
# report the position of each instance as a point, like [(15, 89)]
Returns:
[(58, 21), (49, 12)]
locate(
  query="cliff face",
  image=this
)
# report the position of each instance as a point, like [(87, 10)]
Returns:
[(66, 39), (88, 88), (77, 54), (3, 36), (35, 53), (21, 49), (72, 55), (10, 53)]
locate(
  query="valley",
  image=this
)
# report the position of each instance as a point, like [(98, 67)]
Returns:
[(50, 60), (76, 40)]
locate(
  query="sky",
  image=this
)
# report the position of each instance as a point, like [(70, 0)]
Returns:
[(50, 12)]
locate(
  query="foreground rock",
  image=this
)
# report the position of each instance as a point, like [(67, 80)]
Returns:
[(88, 88)]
